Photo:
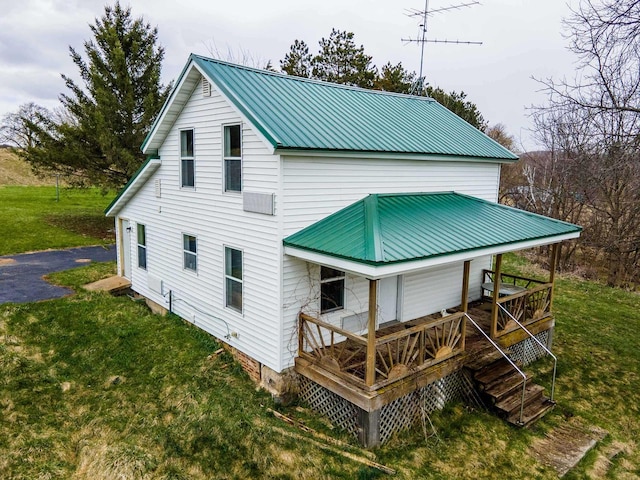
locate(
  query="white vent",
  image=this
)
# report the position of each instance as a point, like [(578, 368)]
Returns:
[(258, 202), (206, 88), (158, 185)]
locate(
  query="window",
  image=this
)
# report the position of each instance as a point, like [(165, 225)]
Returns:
[(190, 252), (233, 278), (187, 172), (232, 158), (142, 247), (331, 289)]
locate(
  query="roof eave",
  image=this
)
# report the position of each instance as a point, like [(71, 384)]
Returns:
[(376, 271), (318, 152)]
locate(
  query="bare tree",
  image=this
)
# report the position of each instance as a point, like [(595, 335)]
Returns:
[(590, 129), (19, 129)]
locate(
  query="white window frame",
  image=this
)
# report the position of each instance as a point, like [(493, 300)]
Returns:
[(229, 277), (141, 246), (226, 158), (186, 252), (191, 158), (338, 278)]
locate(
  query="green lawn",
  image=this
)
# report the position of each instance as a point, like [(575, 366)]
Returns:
[(96, 387), (32, 219)]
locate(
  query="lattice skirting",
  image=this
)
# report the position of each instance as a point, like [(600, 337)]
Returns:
[(528, 351), (339, 411), (398, 415)]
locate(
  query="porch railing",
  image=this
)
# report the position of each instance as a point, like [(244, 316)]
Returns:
[(397, 355), (531, 304)]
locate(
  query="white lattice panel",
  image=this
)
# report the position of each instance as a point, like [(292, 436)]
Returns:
[(528, 350)]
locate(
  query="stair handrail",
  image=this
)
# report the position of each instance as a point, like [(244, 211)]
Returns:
[(555, 359), (495, 345)]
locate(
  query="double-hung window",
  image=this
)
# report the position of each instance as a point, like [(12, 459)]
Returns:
[(142, 246), (187, 167), (232, 153), (331, 289), (190, 250), (233, 278)]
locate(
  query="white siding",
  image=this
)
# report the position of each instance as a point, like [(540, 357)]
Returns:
[(316, 187), (216, 219)]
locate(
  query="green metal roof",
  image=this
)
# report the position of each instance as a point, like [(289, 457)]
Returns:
[(390, 228), (297, 113)]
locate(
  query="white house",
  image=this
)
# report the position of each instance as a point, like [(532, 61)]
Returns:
[(273, 210)]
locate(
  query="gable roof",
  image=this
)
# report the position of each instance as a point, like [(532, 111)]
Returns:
[(390, 229), (296, 114), (134, 184)]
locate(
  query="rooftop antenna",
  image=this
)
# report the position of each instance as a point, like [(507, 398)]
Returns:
[(422, 37)]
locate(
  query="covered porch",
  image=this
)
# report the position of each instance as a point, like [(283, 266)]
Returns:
[(423, 235), (397, 356)]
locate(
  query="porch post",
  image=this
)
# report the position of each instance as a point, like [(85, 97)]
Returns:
[(553, 263), (465, 300), (465, 285), (496, 295), (371, 333)]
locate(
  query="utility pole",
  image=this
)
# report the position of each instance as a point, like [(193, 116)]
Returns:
[(422, 37)]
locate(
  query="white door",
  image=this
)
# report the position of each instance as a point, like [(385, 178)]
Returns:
[(125, 235), (387, 299)]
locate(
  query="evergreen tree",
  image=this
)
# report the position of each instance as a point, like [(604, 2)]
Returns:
[(111, 112), (458, 104), (298, 61), (394, 78), (341, 61)]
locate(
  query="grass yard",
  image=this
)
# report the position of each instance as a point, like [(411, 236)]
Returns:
[(96, 387), (32, 219)]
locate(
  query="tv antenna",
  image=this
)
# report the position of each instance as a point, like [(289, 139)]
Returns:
[(422, 37)]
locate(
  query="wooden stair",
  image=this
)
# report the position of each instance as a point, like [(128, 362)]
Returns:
[(500, 385)]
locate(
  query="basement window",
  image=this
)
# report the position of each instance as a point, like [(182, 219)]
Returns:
[(331, 289)]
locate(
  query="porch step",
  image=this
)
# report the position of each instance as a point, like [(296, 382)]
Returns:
[(501, 386), (511, 404), (531, 412)]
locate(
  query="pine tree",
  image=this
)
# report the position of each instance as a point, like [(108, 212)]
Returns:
[(112, 111)]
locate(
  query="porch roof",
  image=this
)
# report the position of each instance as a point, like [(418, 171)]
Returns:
[(387, 234)]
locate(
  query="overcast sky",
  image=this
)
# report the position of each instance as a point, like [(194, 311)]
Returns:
[(521, 39)]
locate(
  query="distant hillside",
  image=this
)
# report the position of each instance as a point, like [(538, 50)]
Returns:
[(14, 171)]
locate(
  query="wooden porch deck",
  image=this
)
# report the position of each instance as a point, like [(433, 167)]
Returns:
[(340, 365)]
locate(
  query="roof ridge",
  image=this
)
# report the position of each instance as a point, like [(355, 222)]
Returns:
[(373, 229), (312, 80)]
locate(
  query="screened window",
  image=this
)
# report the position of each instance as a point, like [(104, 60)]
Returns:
[(190, 246), (233, 278), (232, 158), (142, 247), (187, 166), (331, 289)]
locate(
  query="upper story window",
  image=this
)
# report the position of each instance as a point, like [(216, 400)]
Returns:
[(190, 249), (142, 246), (233, 278), (331, 289), (232, 153), (187, 167)]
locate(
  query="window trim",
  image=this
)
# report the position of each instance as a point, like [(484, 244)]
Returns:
[(189, 252), (340, 278), (234, 279), (191, 158), (141, 246), (228, 158)]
